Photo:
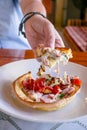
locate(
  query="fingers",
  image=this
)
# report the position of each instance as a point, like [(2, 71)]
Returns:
[(58, 40), (53, 39)]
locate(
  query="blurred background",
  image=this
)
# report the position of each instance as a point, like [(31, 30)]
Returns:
[(60, 11), (70, 19)]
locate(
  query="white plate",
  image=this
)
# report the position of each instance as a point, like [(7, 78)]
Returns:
[(8, 104)]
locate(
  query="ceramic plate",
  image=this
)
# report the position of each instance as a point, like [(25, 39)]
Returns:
[(9, 104)]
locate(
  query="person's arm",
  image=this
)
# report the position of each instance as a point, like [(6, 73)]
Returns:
[(33, 5)]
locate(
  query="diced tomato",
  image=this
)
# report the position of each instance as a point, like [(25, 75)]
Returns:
[(56, 89), (31, 83), (39, 84), (40, 81), (41, 89), (25, 84), (28, 84), (77, 82), (36, 86)]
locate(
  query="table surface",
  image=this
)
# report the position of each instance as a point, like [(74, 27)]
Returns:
[(10, 55)]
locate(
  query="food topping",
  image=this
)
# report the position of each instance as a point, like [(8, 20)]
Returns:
[(41, 70), (48, 88), (50, 57)]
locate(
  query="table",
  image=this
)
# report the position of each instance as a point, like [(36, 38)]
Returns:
[(9, 55)]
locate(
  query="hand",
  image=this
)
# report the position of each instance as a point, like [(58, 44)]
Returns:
[(40, 30)]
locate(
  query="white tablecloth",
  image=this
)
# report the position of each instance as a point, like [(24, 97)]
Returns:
[(11, 123)]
